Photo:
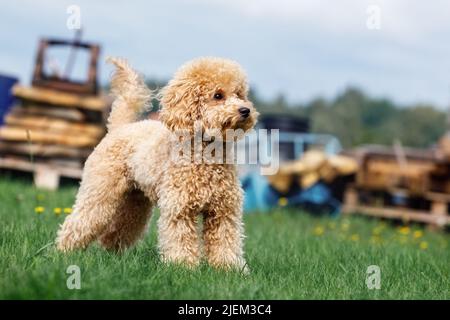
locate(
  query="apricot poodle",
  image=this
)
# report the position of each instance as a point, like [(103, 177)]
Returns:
[(132, 170)]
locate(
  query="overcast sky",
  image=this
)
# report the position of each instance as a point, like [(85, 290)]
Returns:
[(301, 48)]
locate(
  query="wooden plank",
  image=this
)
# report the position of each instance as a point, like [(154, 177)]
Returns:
[(57, 125), (60, 98), (436, 196), (413, 170), (59, 162), (43, 150), (39, 136), (66, 163), (365, 152), (398, 213), (48, 111), (24, 165)]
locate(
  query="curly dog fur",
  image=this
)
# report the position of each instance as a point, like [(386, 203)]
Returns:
[(131, 170)]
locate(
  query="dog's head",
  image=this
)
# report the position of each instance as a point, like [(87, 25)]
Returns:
[(212, 91)]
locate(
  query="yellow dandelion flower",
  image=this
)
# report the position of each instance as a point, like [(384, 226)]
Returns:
[(423, 245), (67, 210), (354, 237), (282, 202), (57, 211), (39, 209), (404, 230), (319, 230), (418, 234)]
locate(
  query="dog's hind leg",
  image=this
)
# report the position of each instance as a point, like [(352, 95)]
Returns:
[(130, 222), (98, 200)]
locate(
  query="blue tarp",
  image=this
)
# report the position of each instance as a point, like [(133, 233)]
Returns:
[(6, 98), (260, 196)]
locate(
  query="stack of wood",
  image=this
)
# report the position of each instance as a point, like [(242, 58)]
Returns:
[(53, 128), (402, 183), (51, 133), (312, 167)]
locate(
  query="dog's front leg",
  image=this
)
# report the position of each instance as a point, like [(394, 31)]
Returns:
[(178, 237), (223, 234)]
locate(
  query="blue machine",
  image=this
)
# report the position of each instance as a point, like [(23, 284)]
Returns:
[(260, 196), (6, 98)]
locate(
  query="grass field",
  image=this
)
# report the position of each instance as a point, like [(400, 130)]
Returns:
[(291, 255)]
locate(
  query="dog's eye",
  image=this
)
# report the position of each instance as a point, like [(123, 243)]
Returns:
[(218, 96)]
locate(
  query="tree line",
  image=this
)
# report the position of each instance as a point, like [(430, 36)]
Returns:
[(357, 118)]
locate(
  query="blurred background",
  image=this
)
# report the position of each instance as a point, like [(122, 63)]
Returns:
[(359, 90)]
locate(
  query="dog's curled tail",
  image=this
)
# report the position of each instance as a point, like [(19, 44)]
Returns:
[(131, 94)]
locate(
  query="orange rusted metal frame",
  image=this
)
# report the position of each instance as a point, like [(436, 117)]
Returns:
[(90, 87)]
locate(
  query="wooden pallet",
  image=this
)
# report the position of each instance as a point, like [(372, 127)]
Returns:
[(51, 133), (57, 121), (46, 174), (60, 98), (437, 218)]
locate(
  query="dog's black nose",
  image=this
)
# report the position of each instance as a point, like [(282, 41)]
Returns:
[(245, 112)]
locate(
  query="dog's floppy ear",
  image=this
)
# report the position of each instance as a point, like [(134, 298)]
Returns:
[(179, 101)]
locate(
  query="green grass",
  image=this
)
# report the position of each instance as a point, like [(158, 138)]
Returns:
[(292, 255)]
